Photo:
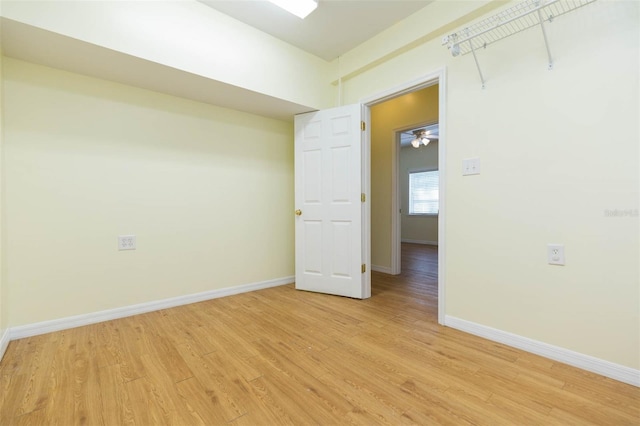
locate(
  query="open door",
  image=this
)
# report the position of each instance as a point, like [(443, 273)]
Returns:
[(329, 202)]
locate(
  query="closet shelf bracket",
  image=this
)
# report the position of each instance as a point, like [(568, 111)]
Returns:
[(520, 17)]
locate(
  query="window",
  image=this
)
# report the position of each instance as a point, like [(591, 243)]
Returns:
[(424, 192)]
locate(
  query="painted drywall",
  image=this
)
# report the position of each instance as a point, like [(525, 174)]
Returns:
[(417, 228), (559, 160), (207, 191), (187, 36), (387, 118), (3, 311)]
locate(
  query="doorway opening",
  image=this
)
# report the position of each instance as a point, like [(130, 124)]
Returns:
[(384, 242), (416, 176)]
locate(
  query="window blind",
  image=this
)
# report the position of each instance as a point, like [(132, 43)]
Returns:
[(424, 192)]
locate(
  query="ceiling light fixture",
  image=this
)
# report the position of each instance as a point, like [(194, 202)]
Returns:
[(421, 138), (300, 8)]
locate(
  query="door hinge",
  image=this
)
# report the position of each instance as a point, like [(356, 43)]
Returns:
[(364, 268), (363, 126), (363, 197)]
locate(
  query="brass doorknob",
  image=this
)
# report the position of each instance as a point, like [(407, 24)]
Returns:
[(298, 212)]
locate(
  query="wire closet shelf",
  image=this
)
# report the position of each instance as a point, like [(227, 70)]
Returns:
[(513, 20)]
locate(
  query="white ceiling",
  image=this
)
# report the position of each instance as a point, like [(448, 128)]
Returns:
[(331, 30)]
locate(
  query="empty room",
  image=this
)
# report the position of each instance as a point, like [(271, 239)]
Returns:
[(265, 212)]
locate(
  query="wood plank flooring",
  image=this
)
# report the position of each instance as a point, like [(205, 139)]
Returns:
[(280, 356)]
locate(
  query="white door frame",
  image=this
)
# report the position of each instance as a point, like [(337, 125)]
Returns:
[(436, 77)]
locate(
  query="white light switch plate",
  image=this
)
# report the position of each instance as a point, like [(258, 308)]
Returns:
[(470, 166)]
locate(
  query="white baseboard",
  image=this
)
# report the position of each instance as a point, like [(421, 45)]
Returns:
[(383, 269), (127, 311), (426, 242), (556, 353), (4, 342)]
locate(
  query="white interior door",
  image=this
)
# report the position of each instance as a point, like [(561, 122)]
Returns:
[(329, 209)]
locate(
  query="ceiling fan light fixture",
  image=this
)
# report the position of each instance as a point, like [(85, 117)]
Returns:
[(420, 138), (300, 8)]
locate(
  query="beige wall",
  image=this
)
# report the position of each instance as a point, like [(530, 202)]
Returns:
[(3, 311), (207, 191), (558, 149), (387, 118), (415, 228)]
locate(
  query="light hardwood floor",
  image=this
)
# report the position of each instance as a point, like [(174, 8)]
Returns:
[(280, 356)]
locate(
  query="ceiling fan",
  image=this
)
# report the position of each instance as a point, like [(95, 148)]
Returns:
[(420, 137)]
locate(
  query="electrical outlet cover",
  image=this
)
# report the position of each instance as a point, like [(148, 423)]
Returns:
[(126, 242), (555, 254)]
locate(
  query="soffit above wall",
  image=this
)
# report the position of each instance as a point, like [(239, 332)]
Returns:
[(24, 42)]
